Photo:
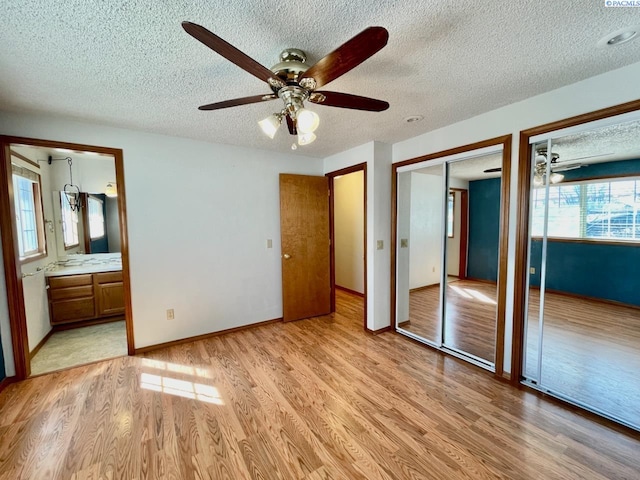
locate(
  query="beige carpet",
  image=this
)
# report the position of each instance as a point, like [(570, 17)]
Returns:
[(78, 346)]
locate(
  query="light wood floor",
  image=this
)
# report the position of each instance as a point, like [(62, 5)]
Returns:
[(470, 316), (591, 348), (314, 399), (591, 352)]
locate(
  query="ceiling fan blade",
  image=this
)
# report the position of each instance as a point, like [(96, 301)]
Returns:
[(563, 167), (584, 158), (347, 100), (347, 56), (238, 101), (292, 125), (493, 170), (229, 52)]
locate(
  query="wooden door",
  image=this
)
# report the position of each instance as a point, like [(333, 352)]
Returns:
[(304, 231)]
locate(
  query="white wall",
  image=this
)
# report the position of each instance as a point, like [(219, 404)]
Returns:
[(608, 89), (33, 286), (425, 240), (378, 158), (199, 216), (349, 231)]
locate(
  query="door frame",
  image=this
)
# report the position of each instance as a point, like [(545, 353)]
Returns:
[(464, 230), (11, 262), (522, 221), (505, 192), (360, 167)]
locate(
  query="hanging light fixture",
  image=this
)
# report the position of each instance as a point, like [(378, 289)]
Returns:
[(112, 190), (71, 191)]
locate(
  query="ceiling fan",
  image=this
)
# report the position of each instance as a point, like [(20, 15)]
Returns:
[(294, 82), (556, 166)]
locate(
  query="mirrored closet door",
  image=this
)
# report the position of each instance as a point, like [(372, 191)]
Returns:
[(582, 330), (447, 257)]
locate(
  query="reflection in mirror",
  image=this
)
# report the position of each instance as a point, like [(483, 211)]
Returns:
[(473, 256), (582, 326), (420, 235)]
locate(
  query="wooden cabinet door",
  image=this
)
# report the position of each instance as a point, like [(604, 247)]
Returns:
[(110, 299)]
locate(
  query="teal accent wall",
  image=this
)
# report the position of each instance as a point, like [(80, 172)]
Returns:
[(484, 229), (101, 245), (610, 272)]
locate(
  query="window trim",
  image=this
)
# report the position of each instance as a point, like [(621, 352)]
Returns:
[(39, 214)]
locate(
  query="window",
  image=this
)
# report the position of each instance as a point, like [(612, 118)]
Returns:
[(96, 218), (29, 220), (69, 223), (451, 202), (590, 210)]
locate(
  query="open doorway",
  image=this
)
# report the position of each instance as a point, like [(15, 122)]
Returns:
[(67, 279), (349, 240)]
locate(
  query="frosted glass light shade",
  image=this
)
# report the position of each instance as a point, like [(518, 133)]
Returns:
[(307, 121), (306, 138), (270, 125)]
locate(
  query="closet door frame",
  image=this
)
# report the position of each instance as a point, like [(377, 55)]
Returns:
[(505, 142), (522, 222)]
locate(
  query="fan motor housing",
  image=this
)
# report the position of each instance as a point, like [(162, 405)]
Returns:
[(291, 66)]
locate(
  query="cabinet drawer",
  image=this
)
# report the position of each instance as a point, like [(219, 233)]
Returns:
[(109, 277), (70, 281), (72, 310), (71, 292)]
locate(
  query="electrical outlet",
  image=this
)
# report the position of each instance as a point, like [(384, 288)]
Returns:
[(404, 243), (532, 270), (269, 243), (170, 314)]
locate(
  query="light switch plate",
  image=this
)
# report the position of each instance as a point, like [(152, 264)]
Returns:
[(269, 243), (379, 245), (404, 243)]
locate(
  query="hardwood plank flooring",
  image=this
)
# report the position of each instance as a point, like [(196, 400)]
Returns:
[(313, 399), (591, 348), (470, 316), (591, 352)]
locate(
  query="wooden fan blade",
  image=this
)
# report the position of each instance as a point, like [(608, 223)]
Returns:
[(292, 125), (238, 101), (228, 51), (346, 100), (347, 56), (492, 170)]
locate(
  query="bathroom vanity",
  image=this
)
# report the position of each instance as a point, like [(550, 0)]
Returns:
[(84, 292)]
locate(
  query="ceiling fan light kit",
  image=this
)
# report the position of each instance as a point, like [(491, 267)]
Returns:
[(295, 82)]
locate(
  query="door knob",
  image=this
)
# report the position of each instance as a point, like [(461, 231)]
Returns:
[(286, 256)]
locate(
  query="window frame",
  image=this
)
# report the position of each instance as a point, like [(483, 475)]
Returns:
[(593, 240), (63, 202), (451, 214), (104, 220), (36, 192)]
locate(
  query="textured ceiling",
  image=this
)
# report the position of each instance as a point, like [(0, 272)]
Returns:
[(130, 64)]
